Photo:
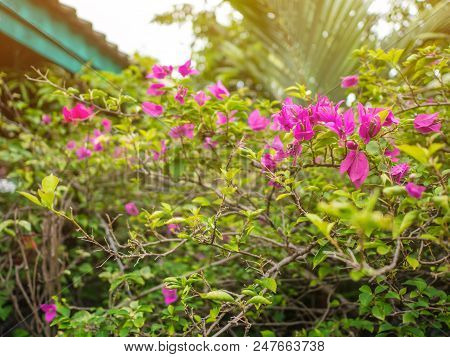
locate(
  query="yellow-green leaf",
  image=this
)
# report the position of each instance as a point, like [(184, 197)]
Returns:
[(417, 152), (49, 183), (218, 295), (413, 262), (31, 197), (259, 300), (268, 283)]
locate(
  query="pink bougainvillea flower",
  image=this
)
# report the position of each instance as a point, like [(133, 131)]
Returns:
[(107, 125), (351, 145), (276, 125), (71, 144), (277, 145), (152, 109), (159, 154), (328, 112), (357, 167), (427, 123), (268, 162), (323, 110), (118, 152), (218, 90), (46, 119), (318, 159), (181, 93), (96, 140), (286, 117), (170, 295), (201, 98), (160, 72), (390, 119), (349, 81), (399, 171), (187, 70), (208, 143), (222, 118), (370, 123), (78, 113), (83, 153), (344, 125), (131, 209), (256, 121), (155, 89), (96, 134), (185, 130), (173, 228), (274, 184), (392, 154), (294, 150), (49, 311), (98, 146), (414, 190), (303, 129)]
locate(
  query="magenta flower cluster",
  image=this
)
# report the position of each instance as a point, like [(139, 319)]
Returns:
[(300, 121)]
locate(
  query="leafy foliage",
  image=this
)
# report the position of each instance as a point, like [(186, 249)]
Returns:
[(170, 222)]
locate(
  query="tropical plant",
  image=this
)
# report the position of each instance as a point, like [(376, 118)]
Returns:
[(139, 206), (305, 42)]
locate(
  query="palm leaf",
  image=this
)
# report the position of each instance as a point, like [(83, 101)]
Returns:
[(311, 42)]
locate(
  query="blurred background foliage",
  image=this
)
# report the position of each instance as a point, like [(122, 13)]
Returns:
[(267, 45)]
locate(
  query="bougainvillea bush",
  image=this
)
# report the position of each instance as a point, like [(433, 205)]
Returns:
[(140, 205)]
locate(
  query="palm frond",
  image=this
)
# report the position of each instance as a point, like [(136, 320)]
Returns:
[(311, 42)]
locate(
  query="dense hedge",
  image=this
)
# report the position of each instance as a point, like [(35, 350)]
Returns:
[(137, 205)]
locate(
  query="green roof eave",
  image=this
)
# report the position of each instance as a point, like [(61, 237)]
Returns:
[(34, 27)]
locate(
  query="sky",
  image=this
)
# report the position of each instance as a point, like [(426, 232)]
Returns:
[(128, 25)]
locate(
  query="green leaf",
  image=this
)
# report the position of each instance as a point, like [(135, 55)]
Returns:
[(5, 224), (380, 289), (259, 300), (139, 322), (365, 299), (202, 201), (283, 195), (413, 262), (46, 198), (248, 292), (417, 152), (378, 312), (24, 224), (267, 333), (213, 313), (383, 249), (365, 289), (408, 317), (392, 295), (324, 227), (31, 197), (320, 256), (435, 147), (401, 224), (393, 191), (218, 295), (268, 283), (356, 275), (49, 183), (124, 332), (175, 220)]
